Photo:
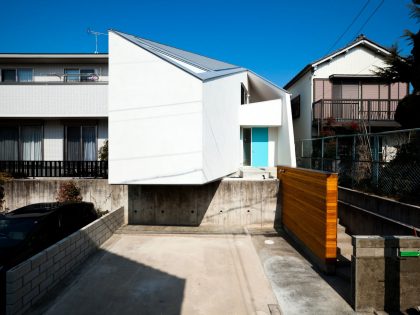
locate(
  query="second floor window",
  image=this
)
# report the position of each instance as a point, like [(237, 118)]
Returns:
[(16, 75), (79, 75)]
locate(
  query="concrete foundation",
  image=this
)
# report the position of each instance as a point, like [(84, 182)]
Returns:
[(226, 202)]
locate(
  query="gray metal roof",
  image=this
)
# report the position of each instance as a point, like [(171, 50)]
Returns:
[(208, 68)]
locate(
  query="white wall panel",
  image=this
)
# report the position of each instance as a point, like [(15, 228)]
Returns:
[(155, 119), (221, 128), (53, 100)]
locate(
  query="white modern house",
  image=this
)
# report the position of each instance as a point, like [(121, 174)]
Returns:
[(176, 117), (341, 88), (53, 108)]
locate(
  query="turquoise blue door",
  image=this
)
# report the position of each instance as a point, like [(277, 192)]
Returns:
[(259, 156)]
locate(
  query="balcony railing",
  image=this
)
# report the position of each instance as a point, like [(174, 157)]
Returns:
[(355, 109), (93, 169)]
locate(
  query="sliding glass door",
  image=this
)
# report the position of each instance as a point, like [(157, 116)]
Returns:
[(81, 143), (31, 139), (9, 143)]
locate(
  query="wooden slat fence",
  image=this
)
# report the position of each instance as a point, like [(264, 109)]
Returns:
[(309, 210)]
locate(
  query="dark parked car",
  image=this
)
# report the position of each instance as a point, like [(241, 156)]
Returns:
[(28, 230)]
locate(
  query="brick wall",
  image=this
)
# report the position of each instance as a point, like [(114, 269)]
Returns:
[(32, 279), (381, 278)]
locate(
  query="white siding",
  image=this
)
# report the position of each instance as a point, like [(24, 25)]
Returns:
[(221, 131), (358, 60), (53, 100), (155, 119), (53, 140), (268, 113), (302, 125)]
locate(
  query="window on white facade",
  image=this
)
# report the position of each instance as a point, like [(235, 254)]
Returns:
[(244, 95), (81, 143), (71, 75), (9, 143), (87, 75), (21, 143), (16, 75), (31, 139)]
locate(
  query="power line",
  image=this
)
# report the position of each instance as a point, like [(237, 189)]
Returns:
[(348, 27), (370, 16)]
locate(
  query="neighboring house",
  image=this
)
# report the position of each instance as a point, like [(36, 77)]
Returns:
[(341, 88), (176, 117), (53, 107)]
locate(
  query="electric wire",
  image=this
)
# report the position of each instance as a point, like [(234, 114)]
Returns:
[(370, 16), (348, 27)]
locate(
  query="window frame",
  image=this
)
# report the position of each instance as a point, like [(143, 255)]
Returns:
[(19, 126), (66, 75), (16, 70), (80, 125)]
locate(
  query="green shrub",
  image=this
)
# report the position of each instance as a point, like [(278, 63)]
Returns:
[(68, 192)]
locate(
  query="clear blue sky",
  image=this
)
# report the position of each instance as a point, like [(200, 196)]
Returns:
[(275, 38)]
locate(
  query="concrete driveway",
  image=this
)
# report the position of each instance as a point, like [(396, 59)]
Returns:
[(168, 274)]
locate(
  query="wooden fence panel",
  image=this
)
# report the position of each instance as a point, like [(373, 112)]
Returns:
[(309, 209)]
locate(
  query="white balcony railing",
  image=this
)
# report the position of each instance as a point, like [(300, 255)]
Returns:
[(267, 113)]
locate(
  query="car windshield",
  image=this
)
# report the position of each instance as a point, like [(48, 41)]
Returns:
[(16, 229)]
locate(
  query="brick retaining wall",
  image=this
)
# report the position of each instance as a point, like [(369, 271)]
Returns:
[(27, 282)]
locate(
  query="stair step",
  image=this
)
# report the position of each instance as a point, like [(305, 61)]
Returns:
[(343, 238)]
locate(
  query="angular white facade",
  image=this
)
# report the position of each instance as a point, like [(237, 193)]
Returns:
[(177, 118)]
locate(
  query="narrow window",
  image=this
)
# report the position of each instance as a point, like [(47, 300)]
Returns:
[(246, 138), (87, 75), (24, 75), (296, 107), (71, 75), (8, 75), (244, 95)]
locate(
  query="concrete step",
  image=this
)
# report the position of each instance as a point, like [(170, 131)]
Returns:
[(346, 250), (343, 238), (254, 173)]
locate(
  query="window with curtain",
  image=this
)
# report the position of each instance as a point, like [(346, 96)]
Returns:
[(71, 75), (81, 143), (9, 143), (31, 139), (24, 75)]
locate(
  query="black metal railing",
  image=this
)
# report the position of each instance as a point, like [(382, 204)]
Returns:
[(95, 169), (355, 109)]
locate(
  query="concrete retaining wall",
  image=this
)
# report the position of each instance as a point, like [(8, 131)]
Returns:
[(19, 193), (381, 279), (32, 279), (226, 202), (402, 212)]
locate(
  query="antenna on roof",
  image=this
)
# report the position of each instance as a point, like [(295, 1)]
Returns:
[(96, 34)]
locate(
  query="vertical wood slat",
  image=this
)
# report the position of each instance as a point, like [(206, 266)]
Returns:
[(309, 208)]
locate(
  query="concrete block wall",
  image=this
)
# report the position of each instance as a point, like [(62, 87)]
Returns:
[(382, 280), (29, 281)]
